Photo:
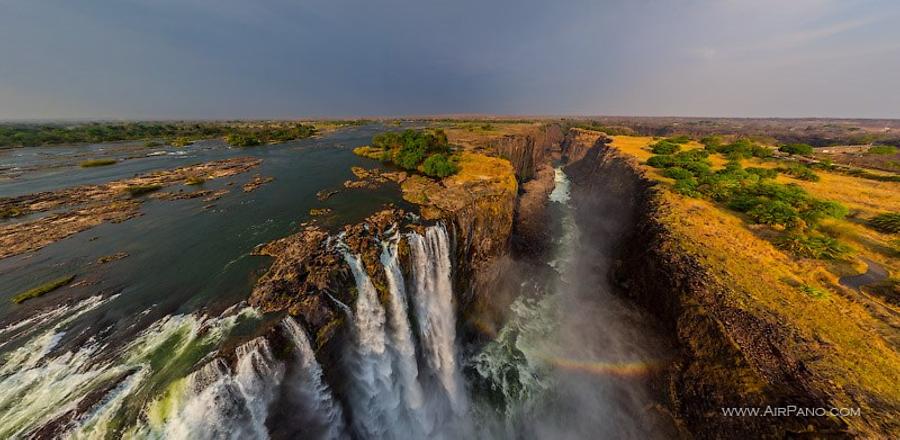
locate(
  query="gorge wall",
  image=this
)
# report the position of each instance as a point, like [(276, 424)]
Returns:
[(725, 356)]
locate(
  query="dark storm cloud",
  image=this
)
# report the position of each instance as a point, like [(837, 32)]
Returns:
[(278, 58)]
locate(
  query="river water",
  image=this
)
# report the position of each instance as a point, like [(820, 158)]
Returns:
[(134, 353)]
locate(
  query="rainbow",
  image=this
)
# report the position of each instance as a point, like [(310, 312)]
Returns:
[(620, 369)]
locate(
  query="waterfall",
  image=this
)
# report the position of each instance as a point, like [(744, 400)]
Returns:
[(374, 400), (435, 314), (319, 415), (216, 403), (391, 397), (403, 346)]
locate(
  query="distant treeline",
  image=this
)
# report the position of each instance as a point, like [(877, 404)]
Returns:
[(815, 132), (240, 134)]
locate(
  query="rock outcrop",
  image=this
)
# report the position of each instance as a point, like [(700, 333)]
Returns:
[(728, 355)]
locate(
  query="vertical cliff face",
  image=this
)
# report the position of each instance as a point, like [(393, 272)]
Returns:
[(529, 152), (726, 355)]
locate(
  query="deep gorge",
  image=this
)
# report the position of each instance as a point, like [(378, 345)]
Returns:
[(559, 309)]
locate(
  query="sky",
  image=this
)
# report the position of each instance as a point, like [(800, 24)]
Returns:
[(224, 59)]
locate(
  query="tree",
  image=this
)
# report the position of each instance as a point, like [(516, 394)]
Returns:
[(801, 149)]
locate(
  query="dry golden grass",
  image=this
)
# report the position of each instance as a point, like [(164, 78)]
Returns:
[(865, 198), (851, 350), (474, 167), (476, 135)]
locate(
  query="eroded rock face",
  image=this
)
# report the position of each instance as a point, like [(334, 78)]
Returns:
[(577, 143), (528, 153), (309, 278), (728, 355)]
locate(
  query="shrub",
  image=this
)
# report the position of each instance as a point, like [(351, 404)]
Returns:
[(801, 172), (439, 165), (818, 246), (194, 180), (801, 149), (712, 142), (882, 149), (42, 289), (813, 291), (661, 161), (774, 212), (408, 149), (180, 142), (677, 173), (97, 163), (888, 222), (139, 190), (665, 147), (242, 140), (682, 139), (763, 173), (687, 187)]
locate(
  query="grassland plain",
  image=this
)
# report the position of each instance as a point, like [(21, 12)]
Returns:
[(853, 351)]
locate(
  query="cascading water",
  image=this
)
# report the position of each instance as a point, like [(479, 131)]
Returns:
[(434, 309), (557, 369), (317, 414)]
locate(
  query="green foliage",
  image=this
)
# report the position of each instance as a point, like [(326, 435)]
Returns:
[(242, 140), (741, 149), (799, 171), (882, 149), (712, 143), (42, 289), (773, 212), (439, 165), (763, 173), (180, 141), (888, 222), (682, 139), (410, 148), (813, 291), (139, 190), (596, 126), (11, 212), (677, 173), (818, 246), (97, 163), (665, 147), (801, 149), (178, 133)]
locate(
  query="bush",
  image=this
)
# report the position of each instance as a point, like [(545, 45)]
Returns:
[(439, 165), (97, 163), (801, 149), (42, 289), (687, 187), (242, 140), (888, 222), (139, 190), (774, 212), (820, 247), (180, 142), (712, 143), (665, 147), (882, 149), (763, 173), (682, 139), (410, 148), (194, 180), (677, 173), (801, 172)]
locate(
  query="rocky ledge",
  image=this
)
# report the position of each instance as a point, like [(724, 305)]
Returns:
[(82, 207)]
